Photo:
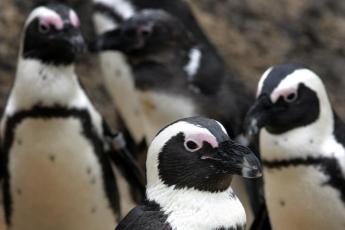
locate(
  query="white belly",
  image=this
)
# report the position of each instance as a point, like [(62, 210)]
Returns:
[(56, 179), (297, 198), (161, 109), (119, 83)]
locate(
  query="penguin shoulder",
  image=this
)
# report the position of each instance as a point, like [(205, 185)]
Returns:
[(82, 101), (145, 217)]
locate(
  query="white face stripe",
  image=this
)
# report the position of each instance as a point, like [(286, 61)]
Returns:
[(160, 140), (41, 12), (222, 127), (122, 7), (73, 17), (292, 81), (193, 64), (262, 80)]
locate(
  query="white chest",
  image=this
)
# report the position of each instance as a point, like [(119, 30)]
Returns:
[(189, 209), (214, 214), (299, 197), (119, 83), (161, 109), (56, 179)]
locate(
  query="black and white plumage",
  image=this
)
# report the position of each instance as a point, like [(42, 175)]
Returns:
[(172, 79), (302, 150), (116, 71), (200, 63), (190, 165), (55, 145)]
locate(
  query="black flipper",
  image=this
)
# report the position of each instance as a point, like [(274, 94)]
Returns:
[(126, 163), (138, 149), (261, 221), (145, 217), (2, 164)]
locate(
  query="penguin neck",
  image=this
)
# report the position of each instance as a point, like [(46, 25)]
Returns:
[(309, 139), (175, 202), (38, 83), (166, 195)]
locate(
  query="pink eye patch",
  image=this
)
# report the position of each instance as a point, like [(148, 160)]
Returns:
[(52, 20), (203, 137), (281, 93), (74, 19)]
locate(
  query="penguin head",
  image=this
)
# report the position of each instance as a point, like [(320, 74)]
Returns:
[(147, 32), (289, 96), (197, 153), (52, 35)]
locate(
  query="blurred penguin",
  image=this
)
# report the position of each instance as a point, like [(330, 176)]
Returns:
[(118, 74)]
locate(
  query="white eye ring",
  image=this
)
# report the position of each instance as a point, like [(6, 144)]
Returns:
[(43, 29), (291, 97), (191, 145)]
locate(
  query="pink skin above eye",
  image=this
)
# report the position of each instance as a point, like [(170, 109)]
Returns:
[(203, 137), (74, 19), (52, 20), (281, 93)]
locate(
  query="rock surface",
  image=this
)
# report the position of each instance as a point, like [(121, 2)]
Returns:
[(255, 34)]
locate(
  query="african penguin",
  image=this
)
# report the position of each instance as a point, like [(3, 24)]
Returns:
[(108, 15), (302, 149), (55, 146), (190, 166), (168, 71)]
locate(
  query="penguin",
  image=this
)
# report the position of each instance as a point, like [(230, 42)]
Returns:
[(302, 149), (56, 148), (190, 165), (118, 74), (171, 78)]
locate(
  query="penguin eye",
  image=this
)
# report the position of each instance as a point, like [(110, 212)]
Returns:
[(290, 97), (191, 146), (43, 29)]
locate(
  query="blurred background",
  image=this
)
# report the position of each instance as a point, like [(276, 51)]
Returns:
[(251, 35)]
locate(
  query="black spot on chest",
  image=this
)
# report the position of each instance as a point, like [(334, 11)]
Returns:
[(52, 158), (282, 203)]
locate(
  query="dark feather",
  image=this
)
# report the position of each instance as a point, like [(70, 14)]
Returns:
[(126, 163), (145, 217)]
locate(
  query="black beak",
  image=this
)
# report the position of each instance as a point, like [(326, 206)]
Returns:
[(257, 116), (78, 43), (125, 38), (235, 159), (73, 38), (110, 40)]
